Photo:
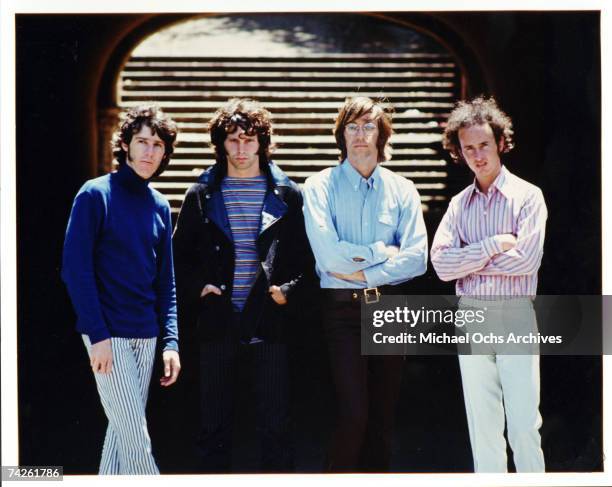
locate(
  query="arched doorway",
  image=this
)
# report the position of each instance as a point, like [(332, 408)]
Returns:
[(301, 67)]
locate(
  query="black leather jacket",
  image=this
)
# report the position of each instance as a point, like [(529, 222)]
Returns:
[(204, 254)]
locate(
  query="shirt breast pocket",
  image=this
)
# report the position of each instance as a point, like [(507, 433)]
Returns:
[(386, 226)]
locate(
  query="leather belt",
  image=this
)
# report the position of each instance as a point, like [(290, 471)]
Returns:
[(368, 295)]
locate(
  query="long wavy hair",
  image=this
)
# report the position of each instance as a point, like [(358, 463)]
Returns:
[(250, 116), (131, 122), (477, 111)]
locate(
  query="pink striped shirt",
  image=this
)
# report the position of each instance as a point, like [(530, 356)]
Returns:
[(466, 246)]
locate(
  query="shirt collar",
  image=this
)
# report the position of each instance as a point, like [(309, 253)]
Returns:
[(502, 183), (355, 179)]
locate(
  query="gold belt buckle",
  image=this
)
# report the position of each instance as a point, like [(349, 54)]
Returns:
[(371, 295)]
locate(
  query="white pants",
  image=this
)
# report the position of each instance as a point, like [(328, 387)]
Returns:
[(494, 384), (123, 393)]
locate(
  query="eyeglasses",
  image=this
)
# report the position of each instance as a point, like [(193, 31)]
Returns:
[(368, 128)]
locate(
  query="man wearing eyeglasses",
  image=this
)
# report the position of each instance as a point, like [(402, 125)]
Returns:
[(366, 230)]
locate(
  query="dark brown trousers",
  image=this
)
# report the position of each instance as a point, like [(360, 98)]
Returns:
[(367, 388)]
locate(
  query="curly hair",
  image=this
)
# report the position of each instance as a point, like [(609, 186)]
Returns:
[(131, 122), (477, 111), (250, 116), (355, 108)]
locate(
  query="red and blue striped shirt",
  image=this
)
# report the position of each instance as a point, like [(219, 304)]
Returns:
[(466, 246), (243, 199)]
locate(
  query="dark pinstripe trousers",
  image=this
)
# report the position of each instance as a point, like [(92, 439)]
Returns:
[(123, 393), (266, 365)]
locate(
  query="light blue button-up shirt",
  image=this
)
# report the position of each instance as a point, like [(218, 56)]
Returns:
[(351, 220)]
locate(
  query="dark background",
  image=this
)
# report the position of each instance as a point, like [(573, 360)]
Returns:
[(544, 69)]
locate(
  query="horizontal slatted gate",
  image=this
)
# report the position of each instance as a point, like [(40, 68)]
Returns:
[(304, 95)]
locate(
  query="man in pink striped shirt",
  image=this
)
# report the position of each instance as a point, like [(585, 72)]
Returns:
[(490, 240)]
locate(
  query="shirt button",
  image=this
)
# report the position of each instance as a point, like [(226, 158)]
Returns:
[(485, 212), (222, 287), (217, 248), (205, 220), (207, 196)]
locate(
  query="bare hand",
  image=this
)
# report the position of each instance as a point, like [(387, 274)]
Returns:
[(172, 367), (507, 241), (355, 276), (391, 251), (277, 295), (101, 358), (210, 288)]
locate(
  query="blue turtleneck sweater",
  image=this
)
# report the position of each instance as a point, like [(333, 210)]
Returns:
[(117, 261)]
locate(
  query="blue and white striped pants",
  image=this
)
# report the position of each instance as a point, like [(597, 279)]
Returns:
[(123, 393)]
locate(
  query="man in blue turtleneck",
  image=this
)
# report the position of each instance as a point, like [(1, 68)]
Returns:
[(117, 266)]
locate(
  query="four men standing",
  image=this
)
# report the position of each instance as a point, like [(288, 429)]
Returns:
[(242, 254)]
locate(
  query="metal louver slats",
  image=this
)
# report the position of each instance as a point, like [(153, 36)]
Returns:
[(303, 95)]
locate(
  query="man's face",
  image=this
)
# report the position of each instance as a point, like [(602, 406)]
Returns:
[(480, 151), (242, 153), (145, 152), (361, 136)]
